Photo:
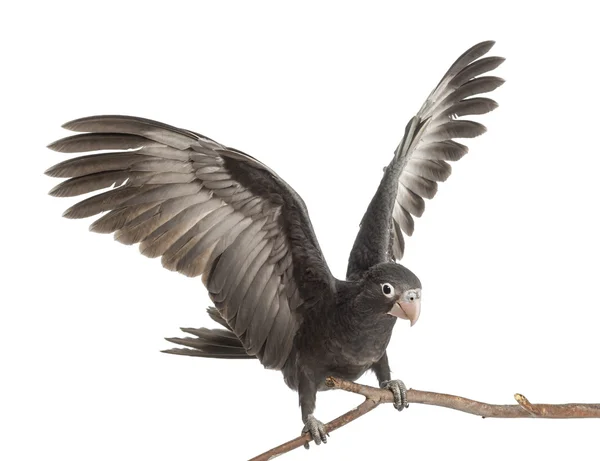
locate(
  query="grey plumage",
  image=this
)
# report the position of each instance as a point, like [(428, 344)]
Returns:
[(420, 161), (210, 343), (98, 141), (213, 211), (168, 197)]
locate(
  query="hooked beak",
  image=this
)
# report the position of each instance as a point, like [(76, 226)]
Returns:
[(407, 310)]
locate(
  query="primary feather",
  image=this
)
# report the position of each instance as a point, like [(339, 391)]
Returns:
[(420, 160), (205, 209)]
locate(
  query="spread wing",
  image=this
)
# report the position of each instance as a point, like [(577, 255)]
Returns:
[(207, 210), (421, 159)]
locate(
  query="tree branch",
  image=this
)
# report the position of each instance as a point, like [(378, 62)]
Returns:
[(374, 397)]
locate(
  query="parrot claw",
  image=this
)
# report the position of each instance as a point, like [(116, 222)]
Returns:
[(399, 390), (316, 429)]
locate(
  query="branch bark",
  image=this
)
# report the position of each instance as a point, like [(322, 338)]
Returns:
[(374, 397)]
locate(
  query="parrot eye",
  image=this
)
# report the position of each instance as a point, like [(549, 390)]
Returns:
[(411, 296), (387, 289)]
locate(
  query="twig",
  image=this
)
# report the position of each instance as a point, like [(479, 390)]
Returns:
[(525, 409), (374, 397), (338, 422)]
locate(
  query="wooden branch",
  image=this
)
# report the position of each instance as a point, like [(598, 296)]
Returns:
[(524, 409), (338, 422), (374, 397)]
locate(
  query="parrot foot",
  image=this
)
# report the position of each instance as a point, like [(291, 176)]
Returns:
[(316, 429), (399, 390)]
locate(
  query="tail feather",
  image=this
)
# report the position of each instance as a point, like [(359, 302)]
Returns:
[(197, 353), (214, 343), (216, 337)]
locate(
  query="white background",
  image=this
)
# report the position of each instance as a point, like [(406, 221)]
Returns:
[(507, 252)]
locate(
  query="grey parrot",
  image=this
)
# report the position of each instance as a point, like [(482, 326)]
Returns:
[(213, 211)]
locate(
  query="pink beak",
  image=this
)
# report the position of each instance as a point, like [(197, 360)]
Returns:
[(407, 311)]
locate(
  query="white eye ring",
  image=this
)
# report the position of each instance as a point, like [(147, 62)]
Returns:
[(411, 296), (388, 290)]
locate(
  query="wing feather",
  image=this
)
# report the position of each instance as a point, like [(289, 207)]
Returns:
[(240, 263), (207, 210), (280, 338), (158, 242), (251, 277), (142, 226), (420, 160), (102, 202), (253, 296), (99, 141), (263, 322), (229, 262)]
